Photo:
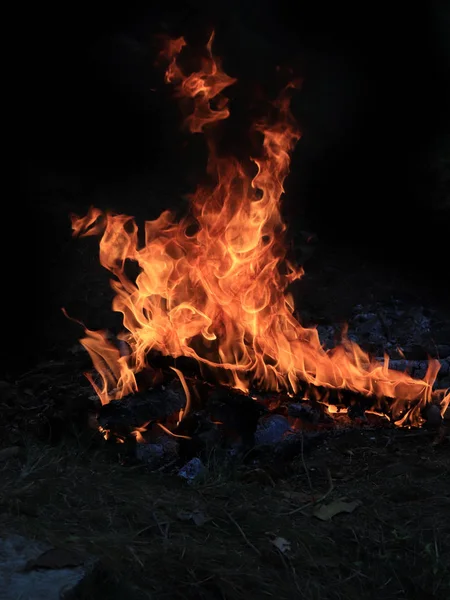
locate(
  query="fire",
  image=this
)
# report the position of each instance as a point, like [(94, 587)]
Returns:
[(213, 286)]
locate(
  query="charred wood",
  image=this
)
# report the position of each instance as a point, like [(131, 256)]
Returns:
[(138, 410)]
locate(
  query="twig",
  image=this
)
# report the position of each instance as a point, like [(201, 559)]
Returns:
[(164, 466), (302, 456), (136, 557), (146, 529), (421, 433), (151, 526), (316, 501), (247, 541), (165, 532)]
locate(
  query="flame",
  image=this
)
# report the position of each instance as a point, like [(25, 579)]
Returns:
[(185, 411), (213, 286), (445, 403)]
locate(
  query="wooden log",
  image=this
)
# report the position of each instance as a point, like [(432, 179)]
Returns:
[(136, 410)]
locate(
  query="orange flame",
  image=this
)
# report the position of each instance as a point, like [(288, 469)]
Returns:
[(219, 295)]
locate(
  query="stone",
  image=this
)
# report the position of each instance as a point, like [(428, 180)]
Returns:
[(155, 455), (443, 350), (192, 470), (271, 430), (21, 575)]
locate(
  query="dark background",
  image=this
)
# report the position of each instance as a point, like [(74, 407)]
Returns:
[(93, 123)]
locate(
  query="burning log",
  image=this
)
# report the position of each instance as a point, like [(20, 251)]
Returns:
[(199, 434), (304, 411), (432, 415), (238, 413), (136, 411)]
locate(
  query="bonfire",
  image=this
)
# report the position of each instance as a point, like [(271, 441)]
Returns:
[(213, 286)]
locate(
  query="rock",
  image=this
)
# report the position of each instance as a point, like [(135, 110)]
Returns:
[(150, 453), (271, 430), (22, 576), (445, 368), (444, 383), (443, 350), (441, 334), (415, 352), (416, 368), (157, 454), (326, 335), (192, 470)]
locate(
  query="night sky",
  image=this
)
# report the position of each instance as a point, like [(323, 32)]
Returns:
[(373, 111)]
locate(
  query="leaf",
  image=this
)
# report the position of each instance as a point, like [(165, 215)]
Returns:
[(56, 558), (325, 512), (197, 516), (282, 544)]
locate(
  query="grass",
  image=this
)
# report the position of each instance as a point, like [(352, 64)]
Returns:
[(139, 529)]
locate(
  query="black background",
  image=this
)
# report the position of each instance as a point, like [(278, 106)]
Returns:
[(373, 111)]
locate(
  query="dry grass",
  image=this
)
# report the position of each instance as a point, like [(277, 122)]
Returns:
[(135, 527)]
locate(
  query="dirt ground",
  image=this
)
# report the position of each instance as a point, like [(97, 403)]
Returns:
[(244, 532)]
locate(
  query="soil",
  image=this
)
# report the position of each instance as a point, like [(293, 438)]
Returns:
[(243, 532)]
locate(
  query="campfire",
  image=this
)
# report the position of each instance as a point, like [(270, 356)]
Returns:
[(210, 341)]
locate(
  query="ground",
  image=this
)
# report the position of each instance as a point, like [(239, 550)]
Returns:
[(244, 533)]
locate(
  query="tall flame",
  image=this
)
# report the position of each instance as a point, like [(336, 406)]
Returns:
[(213, 286)]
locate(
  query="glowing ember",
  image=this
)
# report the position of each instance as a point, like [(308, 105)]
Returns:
[(213, 286)]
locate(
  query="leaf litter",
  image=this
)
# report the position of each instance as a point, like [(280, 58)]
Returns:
[(325, 512)]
